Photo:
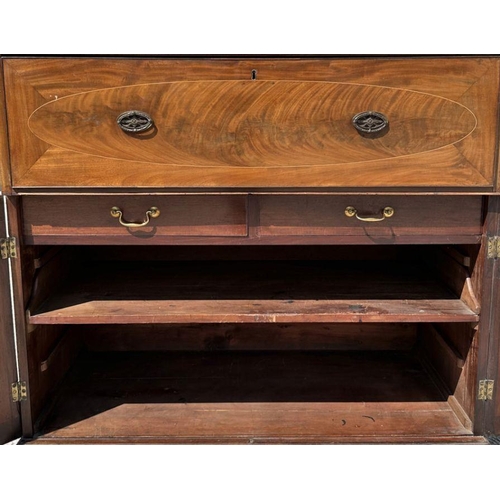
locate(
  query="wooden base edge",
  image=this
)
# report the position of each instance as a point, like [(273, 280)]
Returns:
[(269, 440)]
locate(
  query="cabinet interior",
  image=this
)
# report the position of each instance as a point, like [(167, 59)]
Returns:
[(252, 344)]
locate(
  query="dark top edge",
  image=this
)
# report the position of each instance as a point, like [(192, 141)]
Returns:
[(235, 56)]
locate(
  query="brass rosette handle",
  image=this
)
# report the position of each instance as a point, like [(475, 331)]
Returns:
[(152, 213), (387, 212), (371, 124), (134, 121)]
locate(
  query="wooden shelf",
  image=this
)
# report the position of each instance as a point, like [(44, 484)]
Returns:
[(269, 422), (252, 292), (251, 397)]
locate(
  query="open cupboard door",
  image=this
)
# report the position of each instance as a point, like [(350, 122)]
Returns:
[(490, 387), (496, 401), (10, 419)]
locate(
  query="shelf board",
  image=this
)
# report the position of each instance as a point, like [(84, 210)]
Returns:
[(270, 311), (269, 422), (251, 397), (252, 292)]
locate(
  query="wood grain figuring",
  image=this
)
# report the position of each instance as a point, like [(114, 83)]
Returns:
[(242, 133), (251, 123), (5, 184), (62, 168), (483, 140), (22, 143), (10, 421), (245, 396), (180, 216), (252, 292)]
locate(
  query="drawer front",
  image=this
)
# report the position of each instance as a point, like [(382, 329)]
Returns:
[(91, 220), (361, 219), (372, 122)]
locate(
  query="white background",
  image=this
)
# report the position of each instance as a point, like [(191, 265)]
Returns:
[(249, 472)]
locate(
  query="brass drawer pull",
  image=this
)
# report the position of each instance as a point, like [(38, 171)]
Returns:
[(386, 213), (153, 212), (134, 121)]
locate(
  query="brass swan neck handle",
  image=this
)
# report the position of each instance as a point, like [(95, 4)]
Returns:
[(386, 213), (152, 213)]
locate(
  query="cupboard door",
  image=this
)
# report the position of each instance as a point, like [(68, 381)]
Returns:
[(493, 373), (10, 420)]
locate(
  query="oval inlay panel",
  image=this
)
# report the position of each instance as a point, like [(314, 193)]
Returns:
[(251, 123)]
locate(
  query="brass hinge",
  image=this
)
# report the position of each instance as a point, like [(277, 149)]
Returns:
[(8, 248), (485, 390), (19, 392), (493, 247)]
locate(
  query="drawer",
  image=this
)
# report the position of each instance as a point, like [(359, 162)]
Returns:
[(89, 219), (253, 123), (439, 219)]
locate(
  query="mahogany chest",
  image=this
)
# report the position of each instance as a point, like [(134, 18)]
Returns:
[(251, 250)]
